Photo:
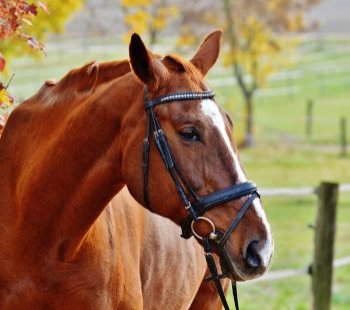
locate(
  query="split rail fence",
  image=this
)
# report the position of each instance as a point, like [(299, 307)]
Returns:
[(323, 264)]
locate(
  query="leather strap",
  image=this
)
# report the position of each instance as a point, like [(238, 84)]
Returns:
[(237, 219), (214, 272), (235, 294), (222, 196)]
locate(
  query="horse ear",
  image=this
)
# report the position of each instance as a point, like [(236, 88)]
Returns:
[(208, 52), (140, 59)]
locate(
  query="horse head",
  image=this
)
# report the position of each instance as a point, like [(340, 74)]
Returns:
[(182, 163)]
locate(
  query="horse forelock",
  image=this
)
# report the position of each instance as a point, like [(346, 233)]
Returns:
[(184, 66), (81, 81)]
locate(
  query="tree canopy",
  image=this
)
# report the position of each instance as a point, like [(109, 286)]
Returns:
[(147, 17)]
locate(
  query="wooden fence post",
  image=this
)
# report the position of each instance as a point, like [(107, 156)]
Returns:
[(343, 142), (309, 118), (322, 266)]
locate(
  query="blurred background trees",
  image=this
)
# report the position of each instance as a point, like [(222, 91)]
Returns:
[(13, 16), (24, 26), (257, 38), (147, 17), (258, 34)]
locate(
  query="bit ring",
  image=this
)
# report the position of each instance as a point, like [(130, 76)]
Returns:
[(212, 234)]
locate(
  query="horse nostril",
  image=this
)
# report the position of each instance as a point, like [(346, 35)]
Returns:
[(252, 256)]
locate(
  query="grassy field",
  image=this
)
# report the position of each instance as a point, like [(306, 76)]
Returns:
[(283, 155)]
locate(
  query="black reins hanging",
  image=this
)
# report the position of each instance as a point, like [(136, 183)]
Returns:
[(195, 205)]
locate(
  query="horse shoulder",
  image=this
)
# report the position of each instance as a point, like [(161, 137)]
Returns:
[(165, 254)]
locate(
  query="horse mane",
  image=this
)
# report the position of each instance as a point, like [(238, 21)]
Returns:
[(82, 81)]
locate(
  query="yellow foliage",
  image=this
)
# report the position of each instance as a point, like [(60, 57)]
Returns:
[(159, 22), (137, 21), (55, 21), (272, 5), (126, 37), (296, 22), (146, 16), (42, 25), (5, 101), (134, 3), (260, 52), (229, 58), (187, 38), (172, 11)]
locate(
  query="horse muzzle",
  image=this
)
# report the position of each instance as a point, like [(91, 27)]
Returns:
[(246, 266)]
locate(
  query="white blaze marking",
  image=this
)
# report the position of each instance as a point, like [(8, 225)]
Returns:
[(267, 248), (210, 109)]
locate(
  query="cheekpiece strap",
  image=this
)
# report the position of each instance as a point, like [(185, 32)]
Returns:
[(180, 96), (237, 219)]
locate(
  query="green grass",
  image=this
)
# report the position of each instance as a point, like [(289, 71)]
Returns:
[(285, 165)]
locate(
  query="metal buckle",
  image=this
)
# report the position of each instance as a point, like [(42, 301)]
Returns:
[(212, 235), (188, 206)]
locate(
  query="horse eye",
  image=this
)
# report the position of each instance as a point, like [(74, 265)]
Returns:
[(189, 134)]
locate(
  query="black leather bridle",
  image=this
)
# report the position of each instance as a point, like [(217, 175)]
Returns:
[(195, 205)]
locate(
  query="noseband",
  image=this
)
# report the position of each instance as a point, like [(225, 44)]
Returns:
[(195, 205)]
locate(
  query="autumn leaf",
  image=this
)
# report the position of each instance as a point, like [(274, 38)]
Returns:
[(5, 99), (44, 7), (34, 43), (30, 8), (27, 21), (2, 62)]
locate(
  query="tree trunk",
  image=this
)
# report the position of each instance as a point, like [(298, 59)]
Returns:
[(153, 36), (249, 137)]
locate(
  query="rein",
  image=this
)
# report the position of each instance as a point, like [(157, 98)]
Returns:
[(195, 205)]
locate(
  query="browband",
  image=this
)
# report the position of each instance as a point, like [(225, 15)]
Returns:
[(180, 96)]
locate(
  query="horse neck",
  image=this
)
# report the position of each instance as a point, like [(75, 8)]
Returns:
[(63, 165)]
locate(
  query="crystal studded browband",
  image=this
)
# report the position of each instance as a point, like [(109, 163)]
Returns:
[(208, 94)]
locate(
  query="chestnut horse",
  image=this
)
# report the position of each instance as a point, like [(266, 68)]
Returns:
[(65, 154), (162, 253)]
